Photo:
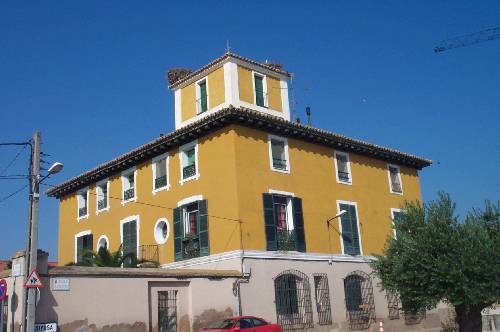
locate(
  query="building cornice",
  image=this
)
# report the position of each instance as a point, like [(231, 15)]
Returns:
[(239, 116)]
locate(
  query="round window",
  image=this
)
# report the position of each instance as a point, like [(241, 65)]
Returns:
[(161, 231), (102, 243)]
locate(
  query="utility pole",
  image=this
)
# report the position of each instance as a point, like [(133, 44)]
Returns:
[(33, 230)]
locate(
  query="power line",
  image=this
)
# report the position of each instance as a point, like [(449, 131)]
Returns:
[(12, 194), (12, 161), (154, 205)]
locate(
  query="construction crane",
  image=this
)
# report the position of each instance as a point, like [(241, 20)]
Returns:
[(466, 40)]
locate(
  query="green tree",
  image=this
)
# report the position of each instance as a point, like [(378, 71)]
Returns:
[(436, 257), (104, 258)]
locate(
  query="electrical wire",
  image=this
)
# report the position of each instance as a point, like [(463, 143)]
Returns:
[(2, 172), (3, 199), (153, 205)]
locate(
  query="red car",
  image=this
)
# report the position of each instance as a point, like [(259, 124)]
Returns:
[(242, 324)]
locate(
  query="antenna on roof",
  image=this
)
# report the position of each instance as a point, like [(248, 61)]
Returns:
[(308, 113), (228, 48)]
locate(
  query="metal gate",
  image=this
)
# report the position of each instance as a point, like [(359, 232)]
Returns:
[(393, 304), (167, 311), (359, 301), (322, 294), (293, 300)]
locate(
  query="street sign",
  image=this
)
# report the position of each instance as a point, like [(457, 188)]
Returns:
[(16, 270), (60, 284), (46, 327), (34, 280), (3, 289)]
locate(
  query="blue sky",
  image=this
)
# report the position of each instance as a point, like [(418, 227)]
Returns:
[(91, 76)]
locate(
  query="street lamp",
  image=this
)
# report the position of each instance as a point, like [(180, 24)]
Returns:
[(55, 168)]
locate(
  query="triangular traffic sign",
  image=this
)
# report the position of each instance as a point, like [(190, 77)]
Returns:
[(34, 280)]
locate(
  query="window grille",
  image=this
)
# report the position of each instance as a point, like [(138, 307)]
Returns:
[(167, 311), (359, 300), (393, 304), (293, 300), (322, 295)]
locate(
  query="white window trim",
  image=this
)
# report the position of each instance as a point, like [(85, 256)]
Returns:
[(78, 203), (264, 87), (182, 150), (161, 241), (271, 166), (280, 192), (98, 184), (138, 229), (102, 237), (335, 153), (399, 177), (392, 220), (289, 206), (167, 165), (189, 200), (124, 173), (198, 95), (82, 233), (358, 224)]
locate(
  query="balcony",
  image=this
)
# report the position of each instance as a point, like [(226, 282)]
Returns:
[(82, 212), (279, 164), (128, 194), (191, 248), (102, 204), (161, 182), (189, 171), (286, 240), (344, 177)]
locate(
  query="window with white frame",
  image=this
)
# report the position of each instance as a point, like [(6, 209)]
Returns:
[(201, 96), (190, 215), (395, 184), (103, 242), (189, 161), (83, 201), (84, 247), (128, 186), (278, 152), (349, 226), (102, 196), (343, 167), (161, 231), (160, 173), (395, 216), (260, 90)]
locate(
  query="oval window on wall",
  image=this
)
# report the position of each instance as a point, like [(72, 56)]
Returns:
[(161, 231)]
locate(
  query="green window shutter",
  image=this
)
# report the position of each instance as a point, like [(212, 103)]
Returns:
[(203, 228), (129, 245), (203, 96), (178, 234), (191, 157), (259, 90), (90, 242), (79, 249), (298, 223), (270, 222), (350, 234)]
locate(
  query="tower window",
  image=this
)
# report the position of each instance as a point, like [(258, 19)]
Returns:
[(395, 184), (202, 97), (260, 90)]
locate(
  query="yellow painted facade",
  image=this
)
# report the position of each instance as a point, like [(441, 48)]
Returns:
[(234, 170)]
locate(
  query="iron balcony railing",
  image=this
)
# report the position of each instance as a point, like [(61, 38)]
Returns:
[(191, 248), (344, 177), (286, 240), (102, 203), (82, 211), (160, 182), (148, 252), (279, 164), (189, 171), (128, 194)]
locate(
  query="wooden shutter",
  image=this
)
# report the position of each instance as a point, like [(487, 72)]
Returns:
[(90, 242), (129, 238), (203, 96), (79, 249), (350, 234), (269, 222), (298, 223), (202, 227), (259, 90), (178, 234)]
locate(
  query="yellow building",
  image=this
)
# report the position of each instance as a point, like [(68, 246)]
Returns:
[(239, 183)]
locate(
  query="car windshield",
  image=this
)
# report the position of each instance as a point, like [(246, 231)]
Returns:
[(225, 324)]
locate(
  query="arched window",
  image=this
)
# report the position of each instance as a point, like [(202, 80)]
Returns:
[(359, 301), (293, 300)]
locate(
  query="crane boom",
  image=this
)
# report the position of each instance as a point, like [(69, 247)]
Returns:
[(466, 40)]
